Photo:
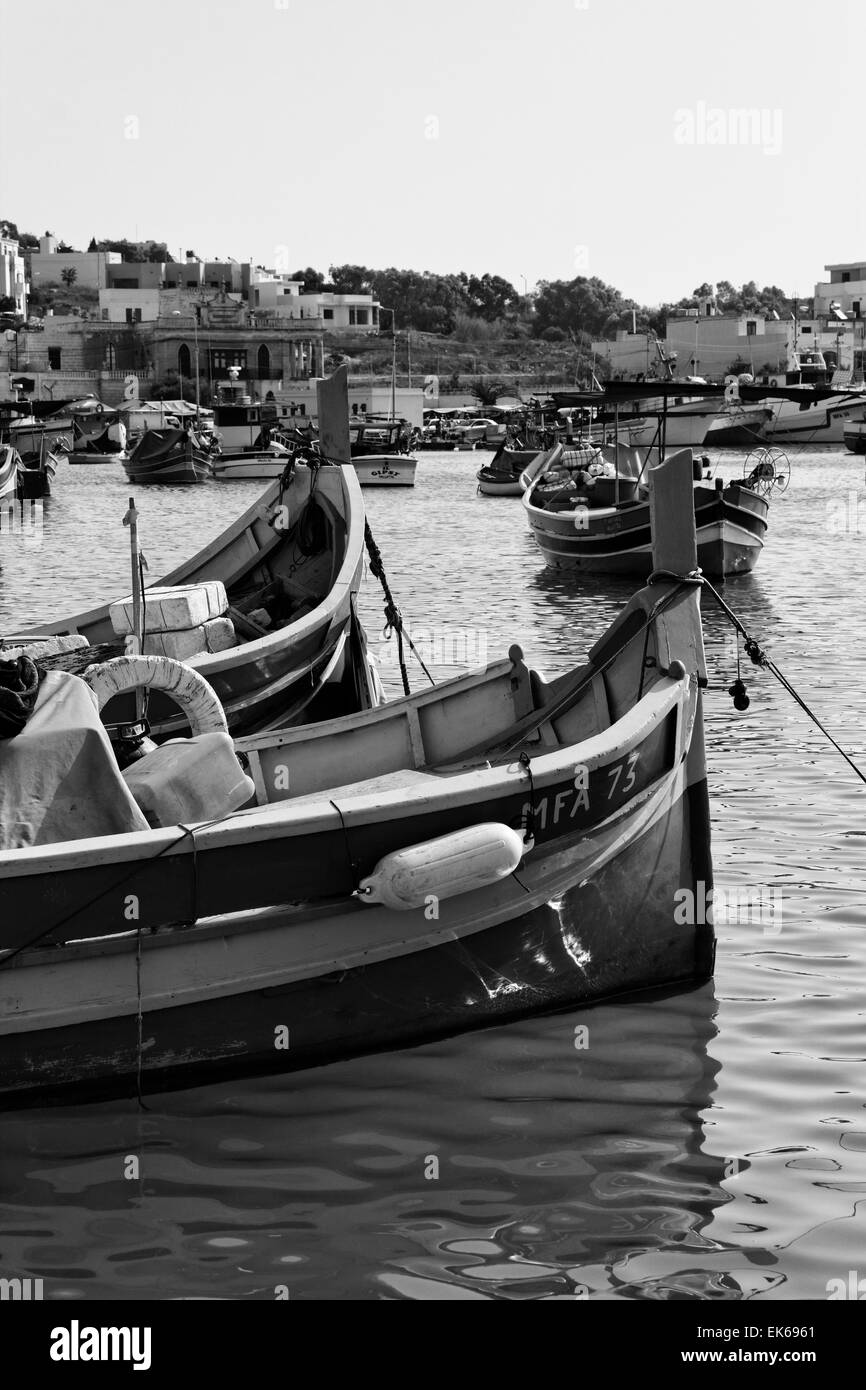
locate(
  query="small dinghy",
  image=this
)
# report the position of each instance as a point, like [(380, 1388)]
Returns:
[(495, 846), (501, 477)]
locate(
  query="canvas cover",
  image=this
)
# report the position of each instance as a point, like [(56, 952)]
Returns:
[(59, 779), (157, 444)]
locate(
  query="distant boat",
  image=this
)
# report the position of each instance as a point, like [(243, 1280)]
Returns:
[(501, 477), (167, 456), (380, 452), (104, 444), (497, 846)]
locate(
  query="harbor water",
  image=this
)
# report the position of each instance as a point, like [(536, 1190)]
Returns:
[(707, 1143)]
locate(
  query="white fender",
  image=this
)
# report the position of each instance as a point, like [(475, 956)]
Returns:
[(186, 687), (444, 867)]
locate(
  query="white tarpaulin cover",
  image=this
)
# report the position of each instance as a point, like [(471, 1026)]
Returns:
[(59, 779)]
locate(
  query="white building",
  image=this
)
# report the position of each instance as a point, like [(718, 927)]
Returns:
[(134, 305), (48, 264), (276, 296), (845, 291), (12, 281)]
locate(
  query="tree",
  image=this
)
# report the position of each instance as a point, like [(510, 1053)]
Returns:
[(313, 280), (69, 275), (351, 279), (64, 249), (487, 392), (137, 251), (490, 296), (92, 246), (581, 305)]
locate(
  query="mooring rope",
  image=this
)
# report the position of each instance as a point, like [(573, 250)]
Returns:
[(393, 616), (758, 656)]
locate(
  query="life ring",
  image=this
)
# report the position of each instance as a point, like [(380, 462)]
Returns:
[(186, 687)]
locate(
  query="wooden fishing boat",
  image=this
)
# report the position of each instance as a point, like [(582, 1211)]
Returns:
[(105, 443), (37, 471), (167, 456), (10, 466), (380, 453), (601, 524), (493, 846), (298, 554)]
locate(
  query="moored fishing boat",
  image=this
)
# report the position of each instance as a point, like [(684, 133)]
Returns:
[(589, 510), (380, 453), (37, 472), (167, 456), (105, 443), (854, 436), (502, 845), (291, 567)]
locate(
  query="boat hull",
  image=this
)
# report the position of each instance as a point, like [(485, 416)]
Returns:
[(274, 681), (385, 470), (498, 487), (854, 436), (598, 924), (10, 467), (824, 422), (229, 468), (730, 524), (179, 471)]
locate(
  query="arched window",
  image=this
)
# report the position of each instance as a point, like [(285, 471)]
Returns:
[(184, 361), (264, 361)]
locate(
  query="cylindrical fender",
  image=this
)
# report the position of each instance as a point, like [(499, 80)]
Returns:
[(444, 867), (184, 685)]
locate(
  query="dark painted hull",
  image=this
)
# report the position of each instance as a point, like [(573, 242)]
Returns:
[(182, 470), (731, 525), (612, 934)]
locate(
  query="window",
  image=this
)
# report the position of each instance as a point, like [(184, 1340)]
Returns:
[(855, 307), (54, 359), (751, 328), (223, 358), (104, 315), (846, 276), (352, 314), (354, 407), (133, 316), (361, 316), (184, 362), (264, 363), (327, 313), (287, 291), (805, 328)]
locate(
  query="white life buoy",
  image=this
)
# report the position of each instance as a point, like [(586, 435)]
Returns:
[(186, 687)]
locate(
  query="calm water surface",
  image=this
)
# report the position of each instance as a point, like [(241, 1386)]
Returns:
[(706, 1144)]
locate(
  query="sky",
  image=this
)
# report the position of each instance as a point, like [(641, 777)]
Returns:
[(534, 141)]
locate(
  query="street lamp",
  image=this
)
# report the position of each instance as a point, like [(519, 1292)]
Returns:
[(392, 312)]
